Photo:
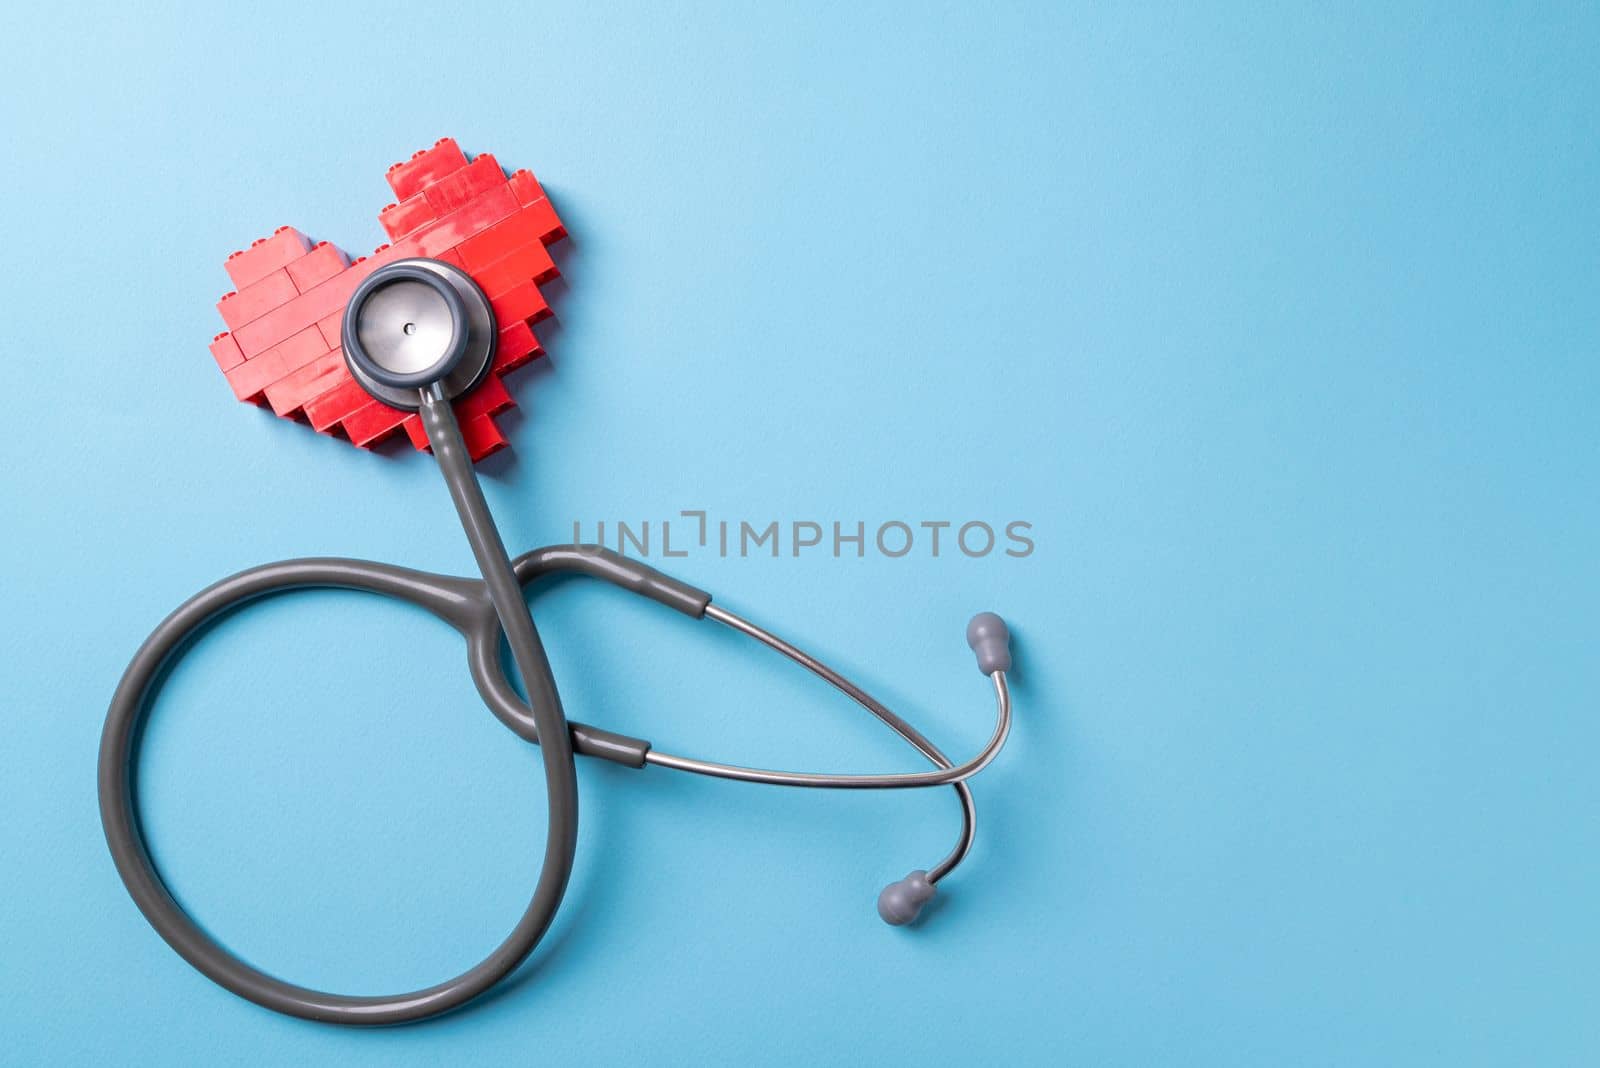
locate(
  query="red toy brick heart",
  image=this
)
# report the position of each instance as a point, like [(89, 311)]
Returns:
[(282, 349)]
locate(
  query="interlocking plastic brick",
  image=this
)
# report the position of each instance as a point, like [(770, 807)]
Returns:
[(297, 350), (256, 299), (526, 187), (529, 261), (514, 233), (317, 266), (331, 328), (547, 221), (419, 437), (347, 398), (258, 373), (266, 255), (520, 303), (406, 216), (226, 350), (457, 188), (290, 393), (284, 351), (426, 167), (367, 426), (515, 347), (490, 398), (469, 220), (481, 437), (251, 377)]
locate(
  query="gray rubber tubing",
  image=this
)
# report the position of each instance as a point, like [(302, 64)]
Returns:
[(479, 610)]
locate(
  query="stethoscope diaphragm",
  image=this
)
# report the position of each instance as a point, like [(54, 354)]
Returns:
[(414, 323)]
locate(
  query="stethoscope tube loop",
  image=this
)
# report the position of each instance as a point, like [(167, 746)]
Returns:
[(484, 611), (450, 597)]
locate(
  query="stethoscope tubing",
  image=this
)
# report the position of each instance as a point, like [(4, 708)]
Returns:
[(125, 837), (483, 611)]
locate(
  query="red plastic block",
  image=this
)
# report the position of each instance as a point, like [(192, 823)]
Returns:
[(521, 303), (266, 255), (515, 347), (490, 398), (425, 168), (284, 348), (226, 350), (511, 234), (325, 412), (250, 378), (367, 426), (408, 215), (296, 315), (526, 186), (548, 222), (256, 299), (528, 261), (317, 266), (413, 428), (336, 376), (301, 349), (481, 437), (469, 220), (290, 393), (332, 328), (454, 190)]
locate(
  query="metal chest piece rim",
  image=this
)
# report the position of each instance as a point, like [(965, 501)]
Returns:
[(414, 323)]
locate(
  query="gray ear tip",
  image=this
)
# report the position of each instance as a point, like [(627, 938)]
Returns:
[(984, 626), (990, 639), (901, 902)]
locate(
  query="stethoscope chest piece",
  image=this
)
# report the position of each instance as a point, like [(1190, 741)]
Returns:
[(416, 322)]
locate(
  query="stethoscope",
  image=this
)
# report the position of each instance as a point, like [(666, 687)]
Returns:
[(417, 334)]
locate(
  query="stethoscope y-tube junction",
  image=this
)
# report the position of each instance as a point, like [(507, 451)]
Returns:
[(486, 611)]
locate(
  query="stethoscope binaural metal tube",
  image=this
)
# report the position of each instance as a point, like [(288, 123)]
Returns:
[(946, 774), (871, 704), (903, 780)]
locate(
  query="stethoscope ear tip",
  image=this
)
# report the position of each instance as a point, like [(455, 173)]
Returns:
[(990, 639), (902, 901)]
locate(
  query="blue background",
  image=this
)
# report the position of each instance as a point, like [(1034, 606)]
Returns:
[(1281, 329)]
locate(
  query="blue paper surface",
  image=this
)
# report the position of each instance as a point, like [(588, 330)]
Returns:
[(1276, 328)]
